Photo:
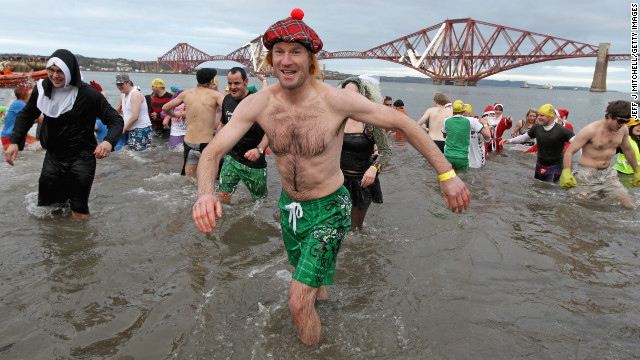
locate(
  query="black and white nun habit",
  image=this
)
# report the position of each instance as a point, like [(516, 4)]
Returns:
[(53, 101)]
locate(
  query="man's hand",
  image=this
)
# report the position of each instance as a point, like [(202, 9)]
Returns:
[(103, 150), (252, 155), (11, 153), (368, 177), (455, 193), (205, 211), (567, 180), (636, 177), (505, 141)]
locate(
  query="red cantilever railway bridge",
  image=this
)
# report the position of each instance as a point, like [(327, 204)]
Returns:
[(460, 51)]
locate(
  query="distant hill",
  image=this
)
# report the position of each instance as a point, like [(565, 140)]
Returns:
[(484, 82)]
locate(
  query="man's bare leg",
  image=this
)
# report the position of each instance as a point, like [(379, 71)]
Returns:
[(224, 197), (322, 293), (625, 200), (301, 304), (191, 170)]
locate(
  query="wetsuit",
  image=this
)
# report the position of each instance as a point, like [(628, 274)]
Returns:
[(550, 150), (69, 164)]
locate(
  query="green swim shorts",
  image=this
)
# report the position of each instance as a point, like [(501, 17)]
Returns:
[(232, 172), (459, 164), (312, 232)]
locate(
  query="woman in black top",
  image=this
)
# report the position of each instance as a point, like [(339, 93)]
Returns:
[(359, 165)]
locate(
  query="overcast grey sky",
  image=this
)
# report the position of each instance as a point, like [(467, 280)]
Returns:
[(145, 30)]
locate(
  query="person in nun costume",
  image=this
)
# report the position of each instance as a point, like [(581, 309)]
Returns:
[(70, 109)]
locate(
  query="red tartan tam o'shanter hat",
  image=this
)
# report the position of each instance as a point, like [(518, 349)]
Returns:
[(290, 30)]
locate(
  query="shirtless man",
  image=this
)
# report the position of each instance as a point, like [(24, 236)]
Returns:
[(435, 116), (304, 120), (599, 141), (201, 104)]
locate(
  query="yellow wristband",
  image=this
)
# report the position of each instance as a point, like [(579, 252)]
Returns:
[(448, 175)]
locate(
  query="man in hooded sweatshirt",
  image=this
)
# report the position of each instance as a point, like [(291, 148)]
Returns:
[(70, 109)]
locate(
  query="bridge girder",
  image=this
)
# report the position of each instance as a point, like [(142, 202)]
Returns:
[(454, 50)]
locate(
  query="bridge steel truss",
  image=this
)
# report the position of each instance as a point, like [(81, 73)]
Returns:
[(459, 50)]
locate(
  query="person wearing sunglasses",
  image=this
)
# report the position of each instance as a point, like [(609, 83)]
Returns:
[(594, 178)]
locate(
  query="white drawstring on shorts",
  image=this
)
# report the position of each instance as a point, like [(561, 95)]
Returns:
[(295, 212)]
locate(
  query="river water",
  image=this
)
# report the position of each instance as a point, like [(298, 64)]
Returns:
[(527, 272)]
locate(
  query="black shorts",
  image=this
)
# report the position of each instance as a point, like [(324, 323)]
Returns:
[(67, 179)]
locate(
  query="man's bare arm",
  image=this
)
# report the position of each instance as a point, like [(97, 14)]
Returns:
[(424, 117), (578, 142), (136, 102), (454, 191), (242, 120), (628, 152), (207, 207), (168, 107)]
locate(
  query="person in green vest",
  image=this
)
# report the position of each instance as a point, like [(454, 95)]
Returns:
[(457, 136), (622, 165)]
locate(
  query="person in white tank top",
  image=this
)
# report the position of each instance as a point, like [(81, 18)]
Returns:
[(134, 112)]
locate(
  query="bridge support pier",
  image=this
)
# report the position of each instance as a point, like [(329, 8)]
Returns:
[(448, 82), (472, 83), (599, 83), (460, 83), (437, 82)]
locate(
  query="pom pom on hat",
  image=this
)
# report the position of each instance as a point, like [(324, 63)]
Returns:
[(297, 14)]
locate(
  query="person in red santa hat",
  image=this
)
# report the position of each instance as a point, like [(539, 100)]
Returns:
[(502, 124)]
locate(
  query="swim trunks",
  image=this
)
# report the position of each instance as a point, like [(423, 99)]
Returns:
[(192, 152), (64, 179), (459, 164), (140, 138), (592, 182), (548, 173), (254, 179), (312, 232)]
